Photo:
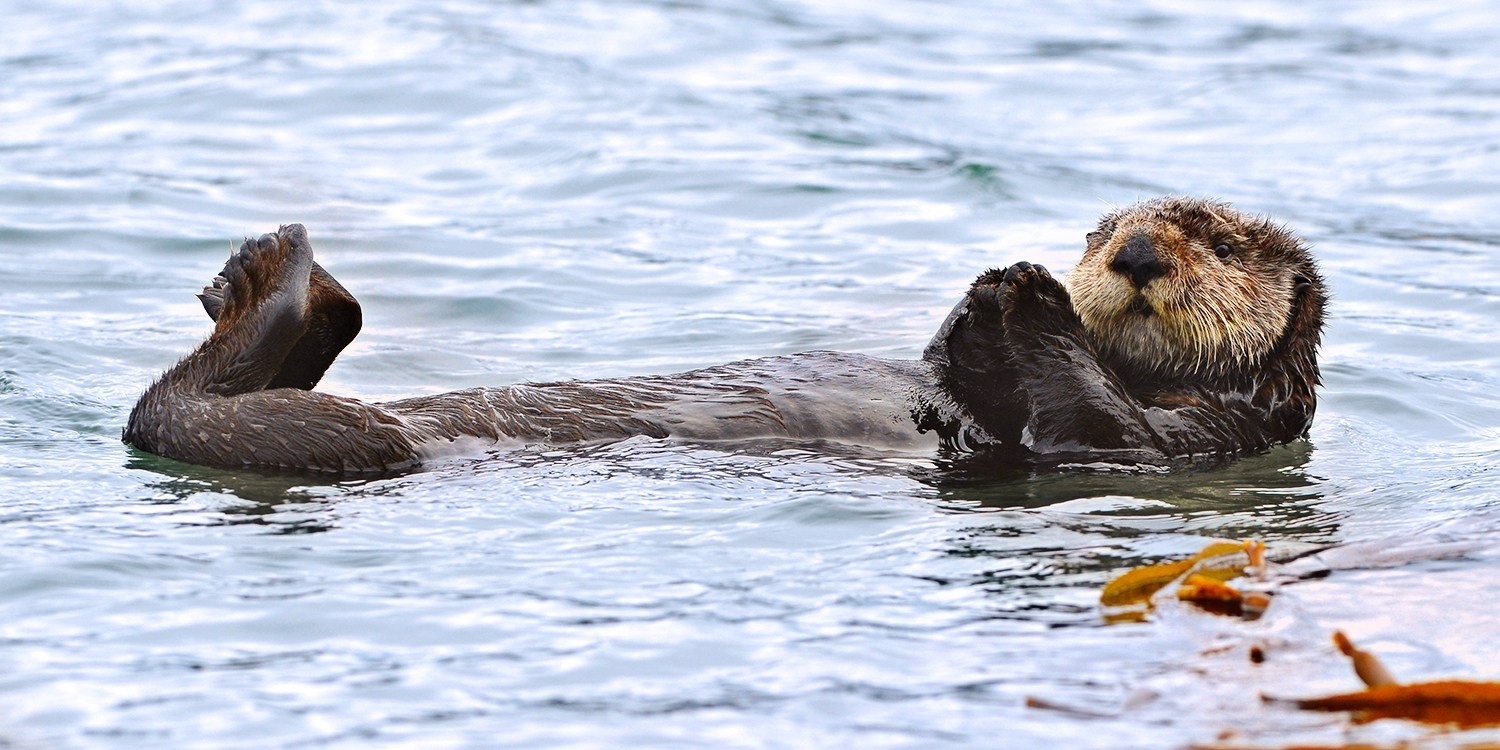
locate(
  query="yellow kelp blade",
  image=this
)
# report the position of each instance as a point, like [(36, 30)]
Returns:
[(1219, 561)]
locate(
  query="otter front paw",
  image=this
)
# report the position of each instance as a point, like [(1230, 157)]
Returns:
[(989, 294), (1029, 290), (1029, 279), (973, 336), (1037, 308)]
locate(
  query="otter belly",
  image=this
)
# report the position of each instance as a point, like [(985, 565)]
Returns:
[(815, 395), (811, 396)]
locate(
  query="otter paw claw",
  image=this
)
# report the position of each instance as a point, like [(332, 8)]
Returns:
[(1028, 280), (1016, 271), (237, 291), (1023, 273), (212, 297)]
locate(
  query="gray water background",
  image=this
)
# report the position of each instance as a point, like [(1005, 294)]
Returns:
[(544, 190)]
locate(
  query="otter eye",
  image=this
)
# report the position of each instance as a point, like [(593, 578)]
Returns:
[(1223, 250)]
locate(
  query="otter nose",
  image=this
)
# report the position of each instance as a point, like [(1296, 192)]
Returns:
[(1138, 261)]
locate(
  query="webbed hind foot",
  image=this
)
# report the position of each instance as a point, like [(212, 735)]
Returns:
[(334, 318), (262, 312)]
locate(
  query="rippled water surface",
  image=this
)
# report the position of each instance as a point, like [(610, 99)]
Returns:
[(543, 190)]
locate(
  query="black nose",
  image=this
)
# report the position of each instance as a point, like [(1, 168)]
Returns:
[(1138, 261)]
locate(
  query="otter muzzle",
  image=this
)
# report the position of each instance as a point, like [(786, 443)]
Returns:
[(1138, 260)]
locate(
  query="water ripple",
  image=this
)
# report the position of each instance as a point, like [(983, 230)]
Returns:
[(535, 191)]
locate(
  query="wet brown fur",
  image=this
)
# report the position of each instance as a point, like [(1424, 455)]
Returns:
[(1210, 316), (1224, 362), (1212, 357)]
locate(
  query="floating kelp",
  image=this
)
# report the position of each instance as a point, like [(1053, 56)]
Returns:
[(1234, 579), (1367, 666), (1200, 580), (1464, 703)]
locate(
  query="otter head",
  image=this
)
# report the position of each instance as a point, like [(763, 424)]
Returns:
[(1182, 287)]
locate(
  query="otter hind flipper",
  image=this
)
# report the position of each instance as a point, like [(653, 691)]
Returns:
[(334, 319), (213, 407), (263, 312)]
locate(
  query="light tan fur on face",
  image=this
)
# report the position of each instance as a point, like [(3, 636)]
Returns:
[(1208, 314)]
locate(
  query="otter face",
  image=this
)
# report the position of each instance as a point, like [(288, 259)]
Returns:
[(1182, 286)]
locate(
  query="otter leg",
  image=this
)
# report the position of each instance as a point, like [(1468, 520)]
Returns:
[(333, 320), (262, 315), (213, 407)]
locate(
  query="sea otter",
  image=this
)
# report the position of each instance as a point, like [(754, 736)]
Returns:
[(1189, 330)]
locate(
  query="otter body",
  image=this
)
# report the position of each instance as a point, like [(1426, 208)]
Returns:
[(1187, 330), (814, 395)]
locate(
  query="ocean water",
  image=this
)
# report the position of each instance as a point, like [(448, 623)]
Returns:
[(543, 190)]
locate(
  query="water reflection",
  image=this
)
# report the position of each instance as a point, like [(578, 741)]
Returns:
[(266, 498), (1041, 545), (1282, 471), (1274, 487)]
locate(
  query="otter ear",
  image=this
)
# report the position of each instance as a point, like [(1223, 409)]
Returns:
[(1104, 231), (1300, 283)]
